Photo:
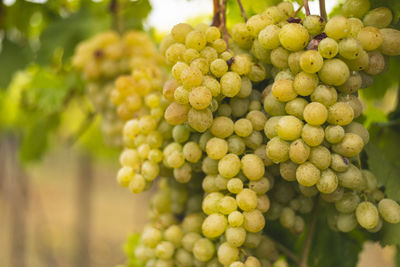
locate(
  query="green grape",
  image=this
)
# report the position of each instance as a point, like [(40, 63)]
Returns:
[(350, 48), (260, 186), (236, 219), (346, 222), (202, 64), (254, 221), (304, 83), (283, 90), (340, 114), (125, 175), (216, 148), (269, 37), (352, 85), (337, 27), (279, 57), (334, 72), (230, 84), (229, 166), (294, 62), (334, 196), (312, 135), (247, 200), (258, 22), (350, 146), (376, 63), (380, 17), (288, 170), (367, 215), (236, 145), (390, 44), (307, 174), (222, 127), (239, 106), (334, 134), (209, 54), (151, 237), (358, 129), (209, 166), (371, 181), (191, 77), (314, 24), (352, 178), (227, 205), (257, 119), (218, 67), (289, 128), (241, 35), (192, 152), (293, 37), (299, 151), (203, 250), (339, 163), (227, 253), (174, 53), (328, 182), (189, 239), (320, 156), (252, 167), (196, 40), (273, 106), (389, 210), (243, 127), (254, 140), (190, 54), (311, 61), (277, 150), (257, 73), (308, 191), (370, 38), (235, 185), (214, 225), (260, 52), (200, 120), (212, 84), (325, 95), (287, 217), (179, 32), (177, 70), (315, 114), (355, 8), (348, 203), (245, 89), (212, 34), (328, 48), (183, 258)]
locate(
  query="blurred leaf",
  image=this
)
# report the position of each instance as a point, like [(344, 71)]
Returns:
[(129, 248), (133, 13), (391, 234), (12, 58)]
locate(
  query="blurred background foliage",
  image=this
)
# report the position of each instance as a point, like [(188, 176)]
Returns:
[(44, 113)]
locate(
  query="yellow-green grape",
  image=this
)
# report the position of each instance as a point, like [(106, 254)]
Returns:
[(130, 158), (243, 127), (260, 52), (125, 175), (283, 90), (294, 62), (312, 135), (320, 156), (241, 35), (305, 83), (350, 48), (288, 170), (355, 8), (175, 159), (200, 97), (296, 107), (325, 95), (340, 113), (269, 37), (176, 113), (229, 166), (189, 239), (227, 254), (218, 67), (180, 133), (222, 127), (212, 34), (236, 145), (201, 64), (328, 48), (258, 22), (191, 77), (203, 250), (273, 106), (181, 95), (334, 134), (252, 167), (352, 85), (334, 72), (214, 225), (293, 37), (346, 222), (235, 185), (287, 9), (169, 89), (367, 215), (307, 174), (150, 170), (196, 40), (311, 61), (190, 54), (241, 64), (200, 120), (348, 203), (391, 40), (137, 184), (359, 63), (314, 24), (270, 127), (358, 129), (235, 236), (350, 146), (216, 148), (179, 32), (151, 237), (389, 210), (210, 203), (352, 178), (287, 217), (236, 219), (254, 221), (227, 205), (337, 27), (177, 70), (219, 45), (174, 53), (289, 128), (380, 17), (279, 57), (315, 114), (277, 150), (376, 63), (230, 84), (370, 38), (355, 26), (339, 163), (299, 151), (257, 119), (275, 13), (328, 182)]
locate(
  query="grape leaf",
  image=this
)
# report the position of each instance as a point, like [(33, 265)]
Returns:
[(390, 234)]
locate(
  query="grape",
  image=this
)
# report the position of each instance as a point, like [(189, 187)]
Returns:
[(367, 215), (299, 151), (273, 106), (229, 165), (390, 44), (214, 225), (350, 146), (315, 114), (348, 203), (236, 219), (253, 221), (288, 170), (252, 167), (289, 128), (176, 114), (340, 114), (241, 35), (350, 48), (328, 48), (200, 120), (358, 129), (380, 17), (307, 174), (179, 32), (222, 127), (196, 40), (258, 22), (247, 200), (320, 156), (370, 38), (216, 148), (283, 90), (293, 36), (312, 135), (334, 134), (346, 222), (311, 61), (334, 72), (269, 37), (355, 8), (389, 210), (227, 254), (328, 182), (191, 77), (202, 63), (287, 217), (337, 27), (376, 63), (339, 163), (325, 95), (230, 84), (314, 24), (277, 150), (352, 178), (371, 181), (279, 57), (203, 250), (218, 67)]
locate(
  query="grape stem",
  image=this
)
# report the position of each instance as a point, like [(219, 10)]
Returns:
[(223, 23), (287, 252), (298, 10), (309, 236), (242, 10), (216, 21), (322, 9), (306, 7), (113, 8)]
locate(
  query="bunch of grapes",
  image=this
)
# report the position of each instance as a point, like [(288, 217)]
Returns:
[(107, 56), (256, 129)]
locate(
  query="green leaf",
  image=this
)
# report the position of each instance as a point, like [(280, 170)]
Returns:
[(129, 248), (390, 234)]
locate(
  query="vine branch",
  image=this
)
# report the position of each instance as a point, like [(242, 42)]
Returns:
[(291, 255), (322, 9), (223, 23), (216, 21), (309, 236), (242, 10), (306, 7)]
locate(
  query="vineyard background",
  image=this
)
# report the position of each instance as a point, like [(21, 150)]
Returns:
[(59, 202)]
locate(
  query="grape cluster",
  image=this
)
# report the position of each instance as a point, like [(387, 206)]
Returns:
[(257, 129), (107, 56)]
